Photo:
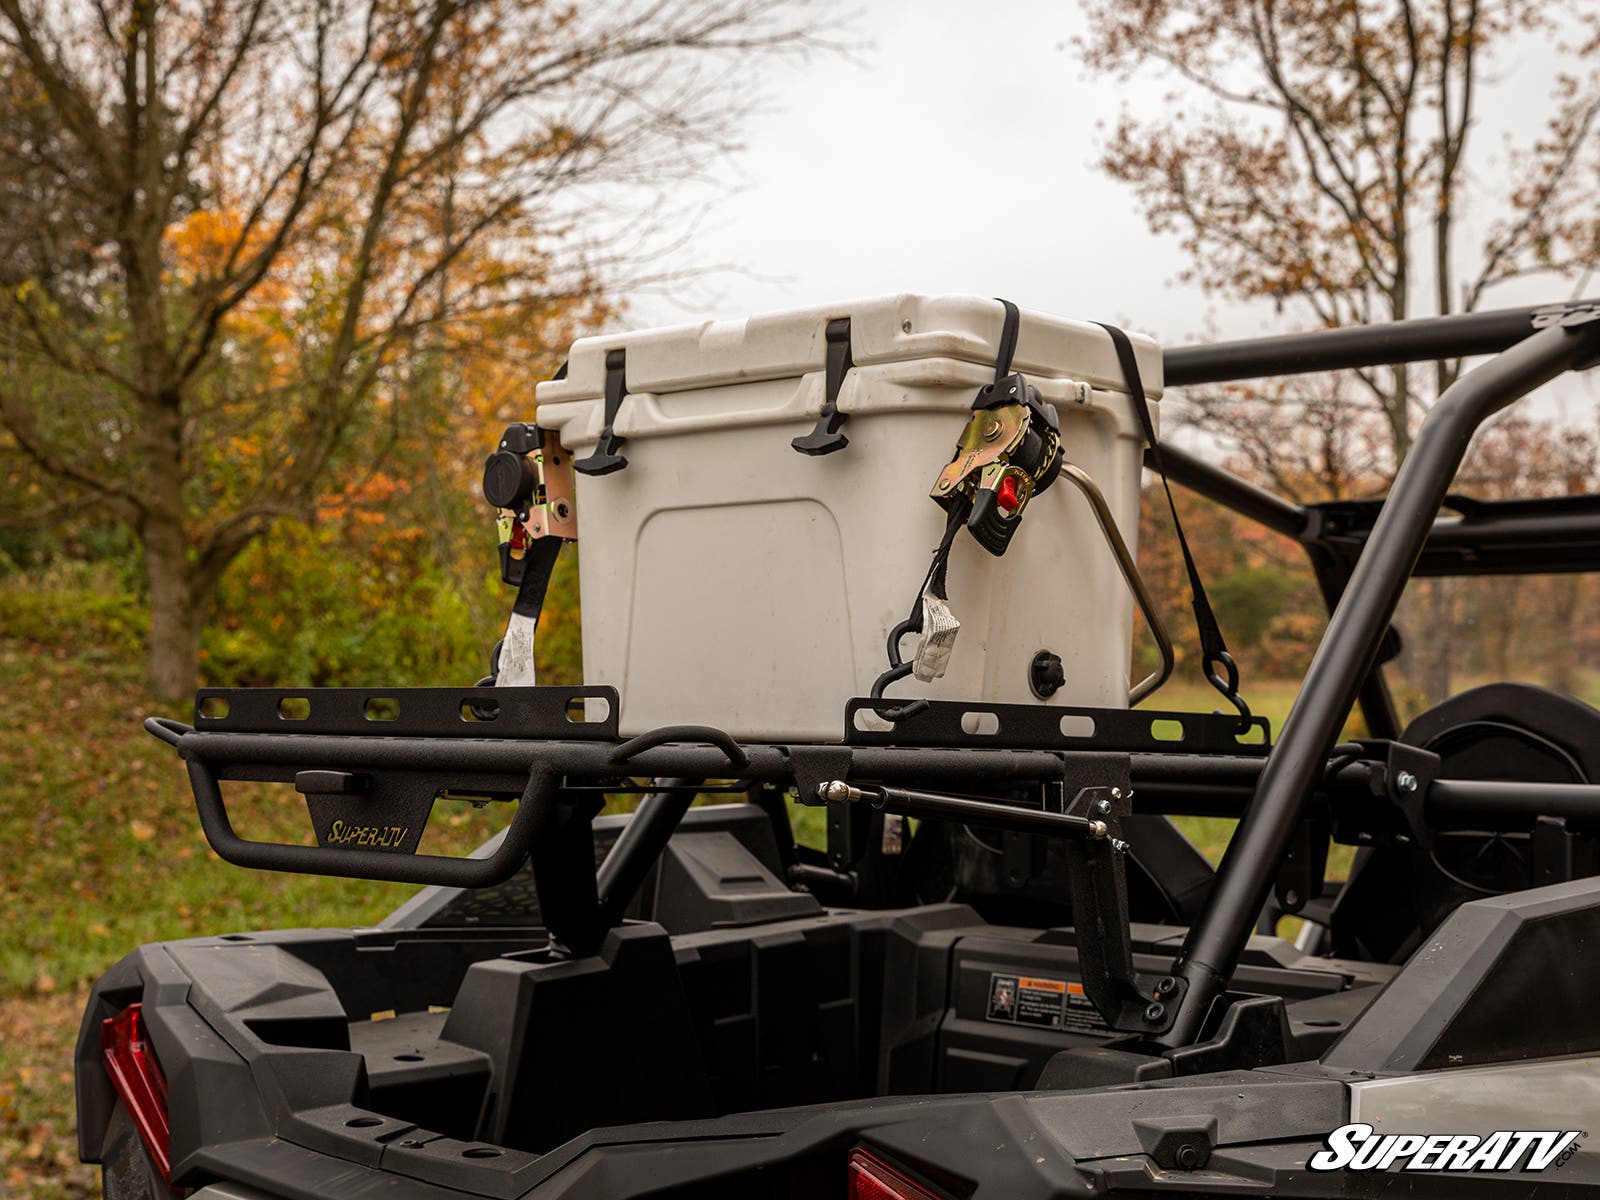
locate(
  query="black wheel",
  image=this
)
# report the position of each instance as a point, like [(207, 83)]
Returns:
[(127, 1171)]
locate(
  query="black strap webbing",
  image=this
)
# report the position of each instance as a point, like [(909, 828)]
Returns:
[(538, 564), (1213, 649), (1008, 340)]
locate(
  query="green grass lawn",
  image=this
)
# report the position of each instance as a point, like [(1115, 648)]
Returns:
[(103, 852)]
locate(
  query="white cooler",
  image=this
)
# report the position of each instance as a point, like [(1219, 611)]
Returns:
[(728, 580)]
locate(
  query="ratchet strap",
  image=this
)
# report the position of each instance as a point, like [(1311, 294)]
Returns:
[(1213, 649), (930, 616)]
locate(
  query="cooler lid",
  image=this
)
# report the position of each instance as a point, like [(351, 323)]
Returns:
[(886, 329)]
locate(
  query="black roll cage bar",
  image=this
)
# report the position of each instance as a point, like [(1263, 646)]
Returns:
[(1363, 553), (1531, 347)]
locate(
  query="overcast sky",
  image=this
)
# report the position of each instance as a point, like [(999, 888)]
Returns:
[(956, 155)]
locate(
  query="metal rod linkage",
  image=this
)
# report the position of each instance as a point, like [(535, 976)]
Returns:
[(959, 808)]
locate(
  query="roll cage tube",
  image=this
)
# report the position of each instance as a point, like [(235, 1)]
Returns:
[(1350, 646)]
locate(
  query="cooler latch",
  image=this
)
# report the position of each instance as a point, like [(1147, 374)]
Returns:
[(826, 438), (605, 458)]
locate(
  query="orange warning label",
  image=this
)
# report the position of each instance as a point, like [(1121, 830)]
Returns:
[(1050, 1003), (1044, 985)]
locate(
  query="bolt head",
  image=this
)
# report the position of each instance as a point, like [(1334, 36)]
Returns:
[(1155, 1012), (1102, 806), (1166, 985), (991, 429), (1406, 781)]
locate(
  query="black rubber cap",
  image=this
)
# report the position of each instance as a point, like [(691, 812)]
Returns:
[(507, 479), (1046, 675)]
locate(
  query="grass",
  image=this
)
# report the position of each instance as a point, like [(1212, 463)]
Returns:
[(104, 853)]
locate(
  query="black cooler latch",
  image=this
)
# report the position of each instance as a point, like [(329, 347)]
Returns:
[(826, 438), (605, 458)]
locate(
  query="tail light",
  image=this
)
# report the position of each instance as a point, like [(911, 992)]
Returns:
[(131, 1063), (873, 1179)]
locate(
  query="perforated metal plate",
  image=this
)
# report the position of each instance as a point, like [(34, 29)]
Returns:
[(567, 713), (964, 725)]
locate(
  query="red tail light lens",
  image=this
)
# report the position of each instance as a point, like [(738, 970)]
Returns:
[(142, 1087), (871, 1179)]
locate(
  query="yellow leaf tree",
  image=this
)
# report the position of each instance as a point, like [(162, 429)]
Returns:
[(256, 242)]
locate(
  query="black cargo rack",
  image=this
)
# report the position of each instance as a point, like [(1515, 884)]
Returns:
[(370, 773)]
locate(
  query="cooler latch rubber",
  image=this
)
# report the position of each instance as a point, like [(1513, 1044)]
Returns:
[(605, 458), (826, 438)]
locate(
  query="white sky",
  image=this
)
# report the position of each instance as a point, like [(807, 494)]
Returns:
[(956, 155)]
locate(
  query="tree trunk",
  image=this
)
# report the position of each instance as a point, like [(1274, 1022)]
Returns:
[(1500, 624), (1563, 675), (175, 617), (1437, 613)]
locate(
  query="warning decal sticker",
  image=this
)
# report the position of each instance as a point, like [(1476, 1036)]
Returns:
[(1046, 1003)]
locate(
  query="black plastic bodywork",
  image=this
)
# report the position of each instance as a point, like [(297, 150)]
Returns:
[(282, 1078)]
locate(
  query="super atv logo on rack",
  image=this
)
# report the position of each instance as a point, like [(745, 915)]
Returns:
[(1357, 1147)]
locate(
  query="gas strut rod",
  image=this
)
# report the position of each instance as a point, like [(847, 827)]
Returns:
[(960, 808)]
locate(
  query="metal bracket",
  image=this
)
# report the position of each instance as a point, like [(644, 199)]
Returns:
[(552, 511), (1128, 1000), (848, 824), (1559, 854), (1303, 874), (1407, 776), (1566, 316), (605, 458), (825, 438), (1570, 316)]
